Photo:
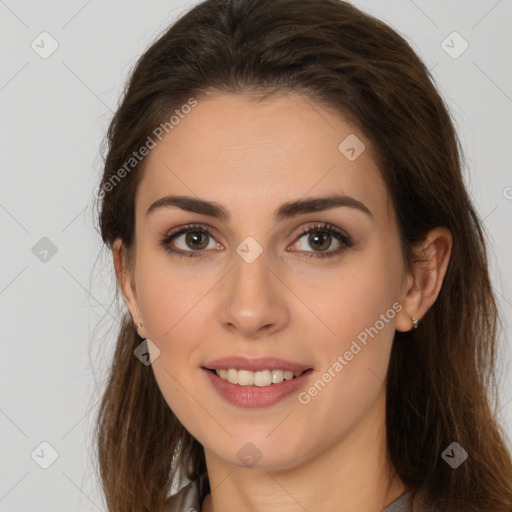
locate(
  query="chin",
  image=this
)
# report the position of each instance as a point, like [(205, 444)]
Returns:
[(263, 455)]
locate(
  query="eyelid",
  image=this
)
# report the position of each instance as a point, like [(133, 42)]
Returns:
[(323, 226), (191, 227)]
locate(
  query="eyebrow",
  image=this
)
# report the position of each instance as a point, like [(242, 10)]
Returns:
[(285, 211)]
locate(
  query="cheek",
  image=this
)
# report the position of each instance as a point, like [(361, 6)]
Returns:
[(164, 294), (352, 300), (157, 300), (170, 303), (359, 307)]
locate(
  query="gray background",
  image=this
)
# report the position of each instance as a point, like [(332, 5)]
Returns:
[(58, 310)]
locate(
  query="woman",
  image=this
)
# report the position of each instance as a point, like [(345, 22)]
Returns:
[(311, 322)]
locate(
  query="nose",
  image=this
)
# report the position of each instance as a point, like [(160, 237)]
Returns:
[(253, 300)]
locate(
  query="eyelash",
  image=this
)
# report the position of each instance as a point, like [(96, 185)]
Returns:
[(316, 227)]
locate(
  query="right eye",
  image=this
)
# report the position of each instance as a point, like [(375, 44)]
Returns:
[(192, 235)]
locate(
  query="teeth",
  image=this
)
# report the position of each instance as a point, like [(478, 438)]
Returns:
[(261, 379), (232, 376), (245, 378), (277, 376)]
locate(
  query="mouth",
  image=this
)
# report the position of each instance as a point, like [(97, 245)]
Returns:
[(259, 388), (249, 381)]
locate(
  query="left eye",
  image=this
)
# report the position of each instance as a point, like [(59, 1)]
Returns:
[(198, 238), (320, 238)]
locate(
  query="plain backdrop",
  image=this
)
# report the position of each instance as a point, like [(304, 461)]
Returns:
[(57, 302)]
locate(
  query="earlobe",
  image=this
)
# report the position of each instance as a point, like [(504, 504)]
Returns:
[(408, 318), (425, 281)]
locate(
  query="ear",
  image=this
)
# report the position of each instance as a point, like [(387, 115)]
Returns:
[(125, 281), (423, 283)]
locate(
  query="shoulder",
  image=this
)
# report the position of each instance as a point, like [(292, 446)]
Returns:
[(189, 497), (405, 503), (401, 504)]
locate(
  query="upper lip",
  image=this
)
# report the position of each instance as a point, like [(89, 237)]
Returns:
[(255, 364)]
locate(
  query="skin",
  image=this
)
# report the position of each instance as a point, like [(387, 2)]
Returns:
[(251, 157)]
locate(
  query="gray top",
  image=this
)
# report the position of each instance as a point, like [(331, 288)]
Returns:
[(190, 497)]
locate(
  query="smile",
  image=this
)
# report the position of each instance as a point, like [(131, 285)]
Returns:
[(262, 392), (261, 378)]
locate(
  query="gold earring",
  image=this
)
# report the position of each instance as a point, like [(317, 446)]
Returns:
[(414, 322)]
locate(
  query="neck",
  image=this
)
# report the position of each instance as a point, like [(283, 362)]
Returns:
[(353, 474)]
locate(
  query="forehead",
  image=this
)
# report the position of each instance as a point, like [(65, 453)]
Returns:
[(255, 155)]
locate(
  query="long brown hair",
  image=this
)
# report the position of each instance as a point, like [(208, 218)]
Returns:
[(441, 382)]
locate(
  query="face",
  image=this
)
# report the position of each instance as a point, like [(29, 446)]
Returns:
[(319, 289)]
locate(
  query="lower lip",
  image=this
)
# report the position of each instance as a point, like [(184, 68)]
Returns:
[(254, 396)]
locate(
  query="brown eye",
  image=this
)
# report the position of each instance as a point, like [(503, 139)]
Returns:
[(189, 241), (320, 238), (318, 241), (196, 240)]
